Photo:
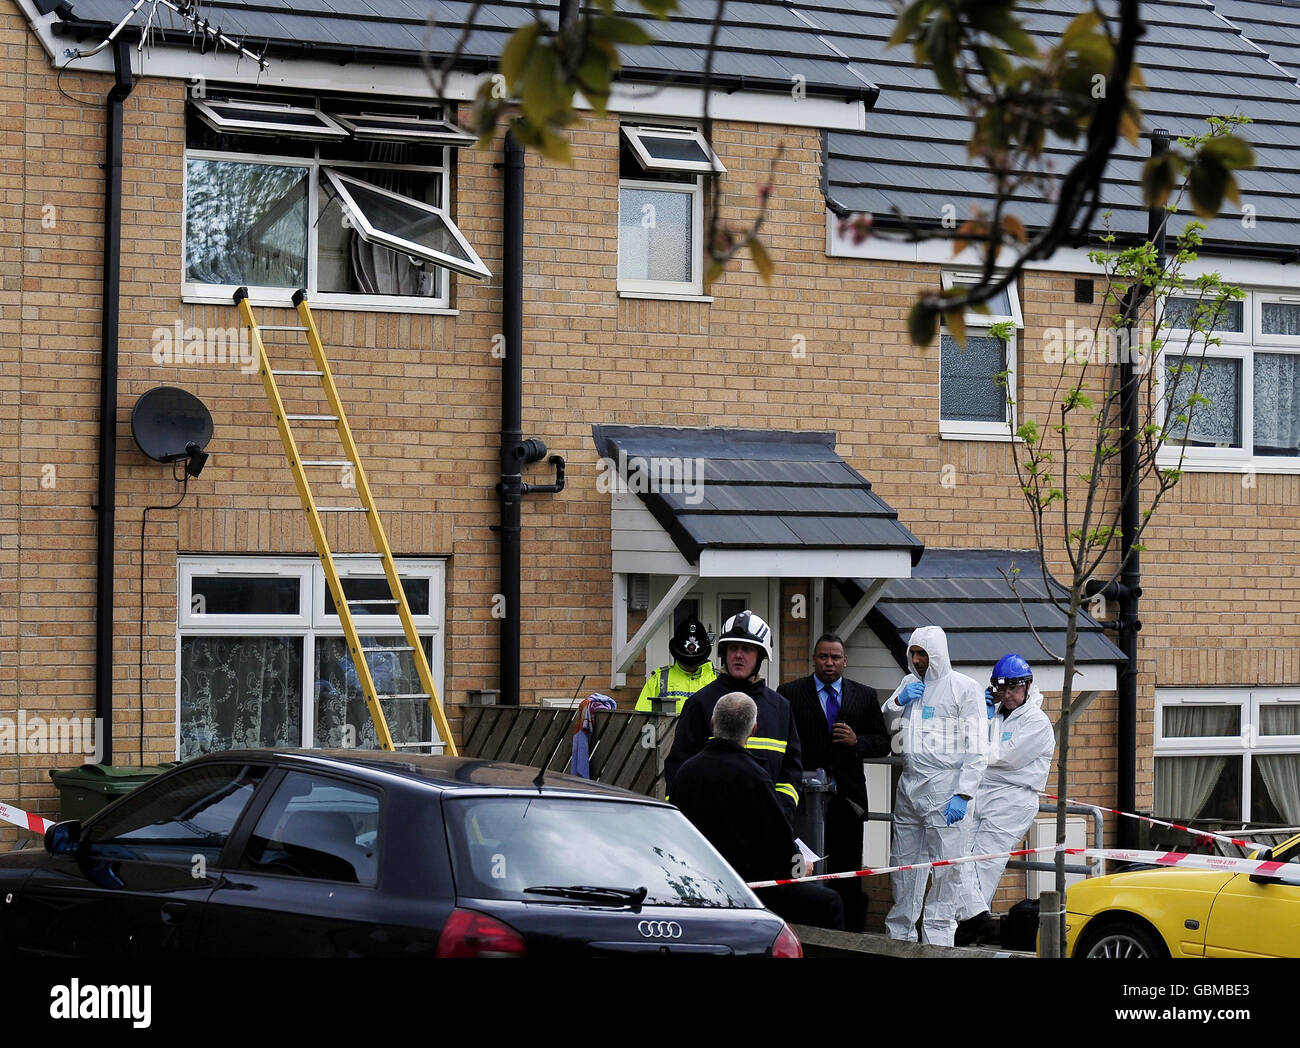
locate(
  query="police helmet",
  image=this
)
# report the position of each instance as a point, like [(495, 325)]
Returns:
[(690, 644)]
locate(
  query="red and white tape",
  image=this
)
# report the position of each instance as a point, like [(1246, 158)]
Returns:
[(24, 820), (912, 866), (1282, 871), (1202, 836)]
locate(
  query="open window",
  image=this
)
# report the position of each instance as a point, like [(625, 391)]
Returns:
[(672, 149), (404, 224), (348, 198), (661, 210), (383, 128), (240, 117)]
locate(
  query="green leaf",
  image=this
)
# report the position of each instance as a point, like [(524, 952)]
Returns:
[(922, 324), (544, 94), (514, 56), (955, 321), (658, 8), (1079, 27), (621, 30), (1232, 152), (909, 21), (1207, 184), (762, 260), (1160, 175)]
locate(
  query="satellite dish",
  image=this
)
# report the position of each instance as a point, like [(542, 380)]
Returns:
[(170, 425)]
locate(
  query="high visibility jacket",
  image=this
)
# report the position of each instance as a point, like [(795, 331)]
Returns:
[(774, 744), (673, 682)]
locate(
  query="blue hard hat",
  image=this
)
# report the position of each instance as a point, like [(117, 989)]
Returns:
[(1012, 669)]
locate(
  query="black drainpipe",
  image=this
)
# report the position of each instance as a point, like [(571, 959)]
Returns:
[(516, 452), (1129, 590), (108, 392)]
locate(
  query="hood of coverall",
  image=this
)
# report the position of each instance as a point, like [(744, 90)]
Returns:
[(1033, 701), (934, 642)]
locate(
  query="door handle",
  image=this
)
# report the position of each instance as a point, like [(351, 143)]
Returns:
[(174, 912)]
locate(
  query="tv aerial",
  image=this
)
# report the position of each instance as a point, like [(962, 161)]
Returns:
[(171, 425)]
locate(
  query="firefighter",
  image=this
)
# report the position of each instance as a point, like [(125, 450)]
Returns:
[(691, 671), (744, 643)]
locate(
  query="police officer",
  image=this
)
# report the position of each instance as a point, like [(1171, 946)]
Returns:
[(745, 641), (691, 671)]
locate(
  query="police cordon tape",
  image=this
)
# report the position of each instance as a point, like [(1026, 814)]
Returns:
[(1202, 836), (1282, 871), (24, 820)]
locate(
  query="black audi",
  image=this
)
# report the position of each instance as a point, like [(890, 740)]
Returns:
[(348, 853)]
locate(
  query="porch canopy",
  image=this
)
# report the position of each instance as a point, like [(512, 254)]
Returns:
[(966, 592), (712, 503)]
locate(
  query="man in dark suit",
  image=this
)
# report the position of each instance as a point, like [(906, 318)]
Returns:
[(840, 725)]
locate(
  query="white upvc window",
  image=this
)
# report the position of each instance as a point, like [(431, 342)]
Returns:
[(974, 402), (661, 210), (262, 661), (265, 208), (1228, 756), (1251, 379)]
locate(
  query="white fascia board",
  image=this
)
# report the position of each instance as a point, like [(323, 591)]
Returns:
[(749, 107), (1243, 271), (641, 562), (805, 563), (1051, 678)]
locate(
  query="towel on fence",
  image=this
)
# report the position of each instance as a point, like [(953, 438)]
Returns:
[(583, 730)]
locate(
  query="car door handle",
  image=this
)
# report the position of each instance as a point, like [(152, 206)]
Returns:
[(174, 912)]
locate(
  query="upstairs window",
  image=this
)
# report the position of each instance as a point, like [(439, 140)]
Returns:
[(661, 209), (325, 194), (1251, 379), (975, 402)]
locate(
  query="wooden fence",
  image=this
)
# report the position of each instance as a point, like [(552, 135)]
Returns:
[(627, 750)]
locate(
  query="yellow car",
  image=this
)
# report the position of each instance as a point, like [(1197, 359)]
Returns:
[(1173, 912)]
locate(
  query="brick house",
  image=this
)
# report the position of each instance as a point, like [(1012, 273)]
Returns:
[(222, 633)]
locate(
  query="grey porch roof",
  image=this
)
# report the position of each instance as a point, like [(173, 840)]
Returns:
[(963, 592), (761, 490)]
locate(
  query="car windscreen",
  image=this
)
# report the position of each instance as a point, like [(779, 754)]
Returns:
[(501, 846)]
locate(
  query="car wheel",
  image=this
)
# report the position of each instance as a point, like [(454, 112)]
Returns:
[(1125, 940)]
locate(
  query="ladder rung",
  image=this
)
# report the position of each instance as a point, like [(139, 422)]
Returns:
[(413, 745), (324, 462), (280, 327), (388, 600), (404, 647), (356, 556), (315, 374), (342, 509), (312, 418), (403, 695)]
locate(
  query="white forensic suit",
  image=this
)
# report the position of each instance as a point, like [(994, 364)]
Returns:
[(944, 736), (1021, 744)]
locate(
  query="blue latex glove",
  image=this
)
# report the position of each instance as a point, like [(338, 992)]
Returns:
[(911, 693), (991, 702), (955, 809)]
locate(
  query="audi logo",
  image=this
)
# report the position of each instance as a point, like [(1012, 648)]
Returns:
[(659, 929)]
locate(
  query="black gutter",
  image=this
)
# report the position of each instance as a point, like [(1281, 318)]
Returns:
[(108, 392), (83, 29)]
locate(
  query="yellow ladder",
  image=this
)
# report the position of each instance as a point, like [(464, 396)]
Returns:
[(298, 466)]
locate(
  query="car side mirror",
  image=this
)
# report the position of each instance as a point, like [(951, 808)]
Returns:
[(1256, 878), (64, 838)]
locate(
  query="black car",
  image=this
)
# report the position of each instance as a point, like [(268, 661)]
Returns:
[(330, 853)]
